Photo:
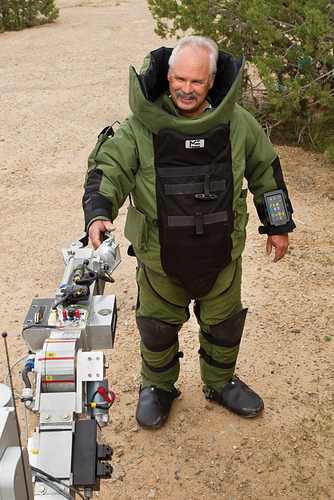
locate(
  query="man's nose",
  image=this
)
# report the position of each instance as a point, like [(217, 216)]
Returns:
[(188, 87)]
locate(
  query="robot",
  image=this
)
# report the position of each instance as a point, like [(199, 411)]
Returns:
[(66, 337)]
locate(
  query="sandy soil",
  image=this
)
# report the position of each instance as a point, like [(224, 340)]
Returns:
[(60, 85)]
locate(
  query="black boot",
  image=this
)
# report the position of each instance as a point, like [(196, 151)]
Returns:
[(154, 406), (236, 396)]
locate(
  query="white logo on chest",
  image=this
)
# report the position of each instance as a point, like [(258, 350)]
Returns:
[(195, 143)]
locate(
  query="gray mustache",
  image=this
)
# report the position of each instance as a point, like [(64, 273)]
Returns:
[(183, 95)]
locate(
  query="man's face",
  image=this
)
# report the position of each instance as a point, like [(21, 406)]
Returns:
[(189, 81)]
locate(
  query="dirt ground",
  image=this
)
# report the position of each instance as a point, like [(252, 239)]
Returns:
[(60, 85)]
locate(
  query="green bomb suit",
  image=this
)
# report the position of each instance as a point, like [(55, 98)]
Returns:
[(188, 214)]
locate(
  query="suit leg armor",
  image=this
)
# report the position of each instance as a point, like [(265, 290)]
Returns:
[(219, 351), (160, 352)]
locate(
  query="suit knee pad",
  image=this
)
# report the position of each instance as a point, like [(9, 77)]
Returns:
[(157, 335), (228, 333)]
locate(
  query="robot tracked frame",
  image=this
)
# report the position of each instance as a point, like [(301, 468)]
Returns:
[(66, 337)]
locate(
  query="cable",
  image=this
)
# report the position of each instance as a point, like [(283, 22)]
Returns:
[(56, 480), (25, 421), (38, 325), (102, 406), (25, 414), (27, 369), (111, 279), (72, 323), (47, 481), (40, 473), (84, 307), (60, 301), (11, 368)]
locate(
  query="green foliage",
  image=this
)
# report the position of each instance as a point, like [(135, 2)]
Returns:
[(289, 43), (20, 14)]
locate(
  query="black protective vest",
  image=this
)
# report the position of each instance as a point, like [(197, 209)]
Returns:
[(194, 188)]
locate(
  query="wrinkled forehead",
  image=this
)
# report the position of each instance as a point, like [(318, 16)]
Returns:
[(189, 53), (191, 60)]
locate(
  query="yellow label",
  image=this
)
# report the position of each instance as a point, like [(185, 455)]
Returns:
[(50, 355), (48, 377)]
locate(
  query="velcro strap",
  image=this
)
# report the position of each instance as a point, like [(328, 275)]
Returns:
[(219, 342), (199, 223), (272, 230), (194, 187), (161, 369), (190, 220), (207, 185), (212, 362)]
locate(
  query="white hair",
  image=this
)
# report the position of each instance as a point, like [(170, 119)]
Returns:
[(197, 42)]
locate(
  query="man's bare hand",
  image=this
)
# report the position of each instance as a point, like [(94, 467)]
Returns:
[(280, 242), (96, 231)]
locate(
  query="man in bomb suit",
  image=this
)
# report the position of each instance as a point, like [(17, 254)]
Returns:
[(183, 154)]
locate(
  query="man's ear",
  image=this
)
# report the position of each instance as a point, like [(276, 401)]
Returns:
[(212, 81), (168, 75)]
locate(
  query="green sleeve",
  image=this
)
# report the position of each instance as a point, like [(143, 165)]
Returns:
[(264, 173), (112, 167)]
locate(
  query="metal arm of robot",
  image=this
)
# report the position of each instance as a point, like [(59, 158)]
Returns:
[(66, 336)]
